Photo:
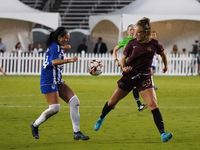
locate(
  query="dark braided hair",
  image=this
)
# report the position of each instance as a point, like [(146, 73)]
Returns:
[(145, 24), (53, 37)]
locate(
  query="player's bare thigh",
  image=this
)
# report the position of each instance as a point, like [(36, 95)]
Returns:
[(52, 98), (149, 97), (117, 96), (65, 92)]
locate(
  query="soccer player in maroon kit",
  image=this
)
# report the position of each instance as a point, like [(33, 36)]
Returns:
[(136, 73)]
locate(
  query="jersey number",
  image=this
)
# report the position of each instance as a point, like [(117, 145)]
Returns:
[(146, 82), (45, 62)]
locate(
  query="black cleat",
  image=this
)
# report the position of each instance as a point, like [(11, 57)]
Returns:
[(35, 131), (80, 136), (142, 107)]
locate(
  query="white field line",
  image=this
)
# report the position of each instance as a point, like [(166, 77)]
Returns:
[(29, 95), (18, 106), (17, 95)]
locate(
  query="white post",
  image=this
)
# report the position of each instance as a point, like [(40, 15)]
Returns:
[(120, 35), (19, 63), (82, 61)]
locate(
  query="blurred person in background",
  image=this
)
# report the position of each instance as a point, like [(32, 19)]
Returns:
[(199, 55), (100, 46), (82, 46), (2, 50), (32, 49), (17, 48), (154, 60), (195, 48), (39, 48), (184, 52), (175, 50), (2, 46)]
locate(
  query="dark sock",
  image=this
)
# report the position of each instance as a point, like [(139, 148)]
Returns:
[(158, 120), (137, 97), (106, 110)]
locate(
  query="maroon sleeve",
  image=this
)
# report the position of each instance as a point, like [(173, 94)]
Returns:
[(160, 48)]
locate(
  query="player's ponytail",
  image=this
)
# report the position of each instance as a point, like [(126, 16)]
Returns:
[(53, 37), (145, 24)]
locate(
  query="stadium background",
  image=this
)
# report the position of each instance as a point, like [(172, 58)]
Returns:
[(75, 16), (124, 129)]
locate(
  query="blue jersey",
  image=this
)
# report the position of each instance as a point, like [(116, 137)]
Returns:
[(51, 74)]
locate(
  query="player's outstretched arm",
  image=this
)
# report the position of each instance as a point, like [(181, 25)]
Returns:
[(115, 55), (164, 59), (69, 60), (66, 47)]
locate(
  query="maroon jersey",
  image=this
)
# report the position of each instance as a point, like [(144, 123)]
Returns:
[(140, 55)]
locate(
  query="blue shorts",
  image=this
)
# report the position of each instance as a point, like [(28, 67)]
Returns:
[(49, 88), (153, 67)]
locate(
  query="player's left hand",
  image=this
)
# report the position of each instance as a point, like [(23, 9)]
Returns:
[(127, 69)]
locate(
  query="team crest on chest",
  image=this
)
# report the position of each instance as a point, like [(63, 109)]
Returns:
[(149, 48)]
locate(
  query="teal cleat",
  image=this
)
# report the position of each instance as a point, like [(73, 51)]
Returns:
[(98, 124), (166, 137)]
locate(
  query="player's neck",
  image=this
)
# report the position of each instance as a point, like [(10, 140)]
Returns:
[(145, 41)]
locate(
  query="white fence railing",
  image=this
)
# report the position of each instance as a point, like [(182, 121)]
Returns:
[(29, 64)]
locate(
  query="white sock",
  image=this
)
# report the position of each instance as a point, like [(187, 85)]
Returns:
[(74, 112), (152, 80), (52, 110)]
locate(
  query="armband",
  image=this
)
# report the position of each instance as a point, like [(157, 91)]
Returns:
[(116, 59)]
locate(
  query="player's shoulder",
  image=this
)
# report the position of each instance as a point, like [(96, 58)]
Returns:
[(155, 42), (133, 40), (53, 44)]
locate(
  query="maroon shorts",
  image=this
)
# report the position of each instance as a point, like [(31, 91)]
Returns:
[(140, 81)]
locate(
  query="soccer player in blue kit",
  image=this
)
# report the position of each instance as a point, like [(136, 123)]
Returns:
[(52, 85), (136, 73)]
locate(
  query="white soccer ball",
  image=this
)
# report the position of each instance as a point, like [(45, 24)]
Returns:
[(95, 67)]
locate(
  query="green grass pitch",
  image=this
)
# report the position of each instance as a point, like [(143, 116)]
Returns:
[(125, 127)]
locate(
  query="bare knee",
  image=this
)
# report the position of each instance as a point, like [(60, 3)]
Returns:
[(152, 104)]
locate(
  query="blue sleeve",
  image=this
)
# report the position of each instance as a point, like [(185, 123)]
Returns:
[(54, 53)]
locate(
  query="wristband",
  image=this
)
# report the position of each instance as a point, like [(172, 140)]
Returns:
[(116, 59)]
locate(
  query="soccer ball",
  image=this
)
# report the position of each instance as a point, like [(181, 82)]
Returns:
[(95, 67)]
